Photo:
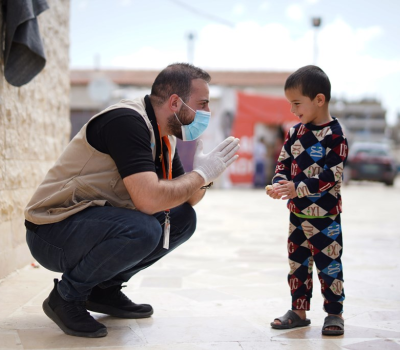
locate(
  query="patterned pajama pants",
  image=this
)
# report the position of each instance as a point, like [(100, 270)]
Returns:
[(316, 241)]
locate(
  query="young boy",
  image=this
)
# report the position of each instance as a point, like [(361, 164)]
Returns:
[(309, 175)]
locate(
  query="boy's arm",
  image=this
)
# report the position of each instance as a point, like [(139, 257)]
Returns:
[(335, 160), (284, 163), (282, 169)]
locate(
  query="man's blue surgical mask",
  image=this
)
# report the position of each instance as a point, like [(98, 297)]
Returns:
[(199, 124)]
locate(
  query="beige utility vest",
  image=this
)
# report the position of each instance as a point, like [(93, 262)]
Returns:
[(84, 177)]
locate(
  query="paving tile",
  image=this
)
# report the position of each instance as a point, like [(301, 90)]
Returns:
[(199, 330), (385, 344), (205, 294), (385, 315), (9, 340), (187, 346), (292, 345), (162, 282), (46, 338), (350, 332)]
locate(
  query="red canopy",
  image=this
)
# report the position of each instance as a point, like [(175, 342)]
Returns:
[(271, 110), (253, 109)]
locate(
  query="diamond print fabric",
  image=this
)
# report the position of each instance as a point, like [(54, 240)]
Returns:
[(313, 157)]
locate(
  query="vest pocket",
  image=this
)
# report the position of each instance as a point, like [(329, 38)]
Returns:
[(79, 200), (75, 208)]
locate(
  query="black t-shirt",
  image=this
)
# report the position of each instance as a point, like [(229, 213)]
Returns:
[(123, 134)]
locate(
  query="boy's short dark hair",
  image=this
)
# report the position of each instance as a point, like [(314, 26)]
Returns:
[(176, 79), (311, 80)]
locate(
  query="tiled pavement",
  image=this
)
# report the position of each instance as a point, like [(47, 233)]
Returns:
[(222, 289)]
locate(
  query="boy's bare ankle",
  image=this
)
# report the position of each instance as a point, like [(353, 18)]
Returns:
[(300, 313)]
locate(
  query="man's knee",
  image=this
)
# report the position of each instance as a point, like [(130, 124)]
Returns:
[(191, 218), (152, 234), (147, 233), (186, 219)]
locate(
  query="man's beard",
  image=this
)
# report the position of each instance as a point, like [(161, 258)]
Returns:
[(174, 127)]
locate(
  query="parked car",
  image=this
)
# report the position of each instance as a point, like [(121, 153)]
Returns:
[(371, 161)]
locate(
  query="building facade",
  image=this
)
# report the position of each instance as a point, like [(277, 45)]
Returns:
[(34, 129), (364, 120)]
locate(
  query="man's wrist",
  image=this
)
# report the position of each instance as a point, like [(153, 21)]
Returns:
[(206, 187), (202, 175)]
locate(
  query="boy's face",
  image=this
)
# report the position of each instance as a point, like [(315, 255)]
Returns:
[(307, 110)]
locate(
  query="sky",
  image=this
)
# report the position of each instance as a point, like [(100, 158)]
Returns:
[(357, 43)]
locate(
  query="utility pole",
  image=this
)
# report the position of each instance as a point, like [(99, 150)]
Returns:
[(190, 49), (316, 22)]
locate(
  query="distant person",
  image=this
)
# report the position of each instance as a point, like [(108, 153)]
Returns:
[(117, 200), (309, 175), (260, 163)]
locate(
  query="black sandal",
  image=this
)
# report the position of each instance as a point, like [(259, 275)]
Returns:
[(295, 319), (333, 321)]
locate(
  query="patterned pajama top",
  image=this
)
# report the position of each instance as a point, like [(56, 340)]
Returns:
[(313, 157)]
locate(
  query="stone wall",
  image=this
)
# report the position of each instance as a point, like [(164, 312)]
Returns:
[(34, 129)]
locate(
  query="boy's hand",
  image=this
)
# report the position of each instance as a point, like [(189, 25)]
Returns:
[(271, 191), (286, 189)]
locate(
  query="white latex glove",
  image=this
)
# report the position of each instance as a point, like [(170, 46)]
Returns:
[(211, 165)]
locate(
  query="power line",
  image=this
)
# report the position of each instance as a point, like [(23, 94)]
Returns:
[(203, 14)]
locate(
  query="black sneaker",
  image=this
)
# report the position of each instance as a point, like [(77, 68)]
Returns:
[(72, 317), (112, 301)]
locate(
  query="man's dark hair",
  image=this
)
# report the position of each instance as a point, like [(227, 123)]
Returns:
[(176, 79), (311, 80)]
